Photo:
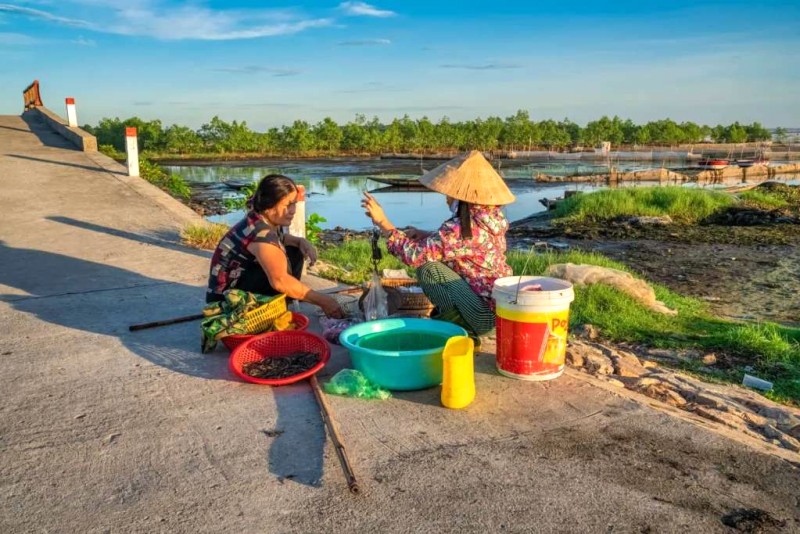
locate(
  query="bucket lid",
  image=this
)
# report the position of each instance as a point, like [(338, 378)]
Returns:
[(532, 291)]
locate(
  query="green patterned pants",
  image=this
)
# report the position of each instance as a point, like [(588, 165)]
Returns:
[(454, 299)]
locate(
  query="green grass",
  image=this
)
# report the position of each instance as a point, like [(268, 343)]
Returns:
[(203, 236), (525, 263), (773, 196), (763, 200), (772, 350), (681, 204), (353, 260)]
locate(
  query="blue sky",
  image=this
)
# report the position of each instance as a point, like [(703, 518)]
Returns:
[(270, 63)]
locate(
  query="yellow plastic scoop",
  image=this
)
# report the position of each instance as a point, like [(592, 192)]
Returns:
[(458, 373)]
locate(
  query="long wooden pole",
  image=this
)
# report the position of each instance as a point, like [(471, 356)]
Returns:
[(165, 322), (333, 430), (175, 320)]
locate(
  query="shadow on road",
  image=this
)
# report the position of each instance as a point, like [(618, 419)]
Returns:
[(46, 135), (167, 239), (297, 452), (104, 299), (15, 129), (64, 163)]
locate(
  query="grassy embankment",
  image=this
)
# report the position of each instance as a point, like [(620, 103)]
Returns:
[(773, 351), (683, 205)]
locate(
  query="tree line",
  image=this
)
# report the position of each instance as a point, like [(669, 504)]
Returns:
[(405, 135)]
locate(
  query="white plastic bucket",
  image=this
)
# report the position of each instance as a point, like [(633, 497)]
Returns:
[(532, 324)]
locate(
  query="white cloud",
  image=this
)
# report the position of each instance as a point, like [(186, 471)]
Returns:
[(486, 66), (17, 39), (364, 10), (82, 41), (366, 42), (183, 22), (38, 14), (256, 69)]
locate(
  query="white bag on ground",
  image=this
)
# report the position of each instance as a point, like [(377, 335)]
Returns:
[(625, 282)]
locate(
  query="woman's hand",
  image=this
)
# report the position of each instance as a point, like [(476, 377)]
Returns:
[(331, 308), (373, 210), (308, 250)]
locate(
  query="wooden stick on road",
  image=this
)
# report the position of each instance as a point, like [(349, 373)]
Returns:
[(165, 322), (352, 484)]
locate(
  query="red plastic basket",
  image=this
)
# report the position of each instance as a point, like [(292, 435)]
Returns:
[(276, 345), (300, 323)]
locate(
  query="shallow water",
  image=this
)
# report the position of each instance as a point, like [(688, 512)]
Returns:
[(334, 187)]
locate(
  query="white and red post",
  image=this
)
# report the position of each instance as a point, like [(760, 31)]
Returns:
[(72, 116), (298, 226), (132, 150)]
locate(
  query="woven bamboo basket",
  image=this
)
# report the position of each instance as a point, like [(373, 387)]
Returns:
[(261, 319), (400, 301)]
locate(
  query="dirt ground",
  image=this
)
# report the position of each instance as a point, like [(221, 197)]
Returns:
[(738, 281), (748, 273)]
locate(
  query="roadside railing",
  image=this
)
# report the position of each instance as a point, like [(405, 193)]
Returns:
[(31, 95)]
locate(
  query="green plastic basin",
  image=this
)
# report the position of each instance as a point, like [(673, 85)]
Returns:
[(400, 353)]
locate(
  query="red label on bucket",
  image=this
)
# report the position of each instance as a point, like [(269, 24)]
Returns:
[(522, 348)]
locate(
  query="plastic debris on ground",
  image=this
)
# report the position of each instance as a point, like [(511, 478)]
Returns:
[(375, 302), (352, 383), (331, 328)]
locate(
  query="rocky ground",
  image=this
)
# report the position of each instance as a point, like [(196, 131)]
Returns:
[(642, 370)]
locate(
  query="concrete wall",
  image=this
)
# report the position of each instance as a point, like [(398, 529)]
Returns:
[(81, 139)]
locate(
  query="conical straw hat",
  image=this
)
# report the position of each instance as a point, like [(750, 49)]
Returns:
[(469, 178)]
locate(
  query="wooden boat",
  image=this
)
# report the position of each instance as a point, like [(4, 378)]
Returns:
[(550, 203), (238, 185), (745, 163), (405, 183), (712, 163)]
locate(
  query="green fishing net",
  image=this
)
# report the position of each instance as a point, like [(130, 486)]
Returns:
[(351, 383)]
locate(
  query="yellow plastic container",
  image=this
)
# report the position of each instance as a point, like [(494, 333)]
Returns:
[(458, 373)]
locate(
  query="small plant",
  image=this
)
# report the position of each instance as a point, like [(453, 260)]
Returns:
[(203, 236), (112, 152), (313, 229), (240, 202), (172, 183)]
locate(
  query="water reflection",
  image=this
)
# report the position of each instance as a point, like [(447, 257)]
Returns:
[(334, 187)]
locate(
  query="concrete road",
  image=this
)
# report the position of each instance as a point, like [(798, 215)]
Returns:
[(103, 430)]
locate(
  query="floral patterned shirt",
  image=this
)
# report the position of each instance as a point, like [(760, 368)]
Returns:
[(480, 260)]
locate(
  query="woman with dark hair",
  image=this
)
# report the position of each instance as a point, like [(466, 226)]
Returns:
[(457, 264), (256, 256)]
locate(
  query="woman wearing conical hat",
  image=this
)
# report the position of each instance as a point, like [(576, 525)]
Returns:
[(458, 263)]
